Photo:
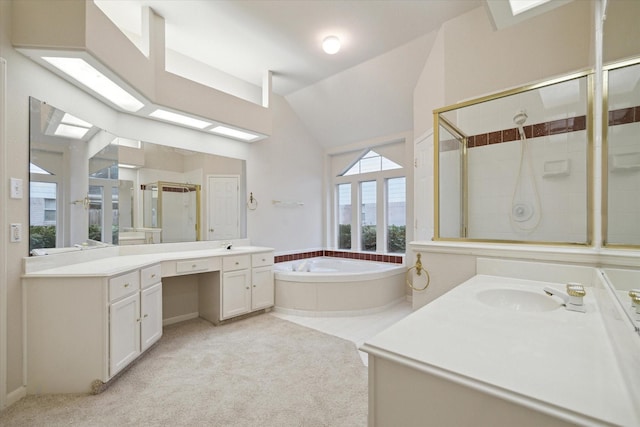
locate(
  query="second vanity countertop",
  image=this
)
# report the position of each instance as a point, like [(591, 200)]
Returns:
[(555, 361), (109, 261)]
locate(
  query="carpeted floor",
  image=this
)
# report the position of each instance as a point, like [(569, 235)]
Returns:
[(260, 371)]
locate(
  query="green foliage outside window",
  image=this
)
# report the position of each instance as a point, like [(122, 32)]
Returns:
[(344, 236), (42, 236), (397, 238)]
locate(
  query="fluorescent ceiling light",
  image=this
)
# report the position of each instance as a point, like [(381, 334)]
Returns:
[(521, 6), (234, 133), (127, 166), (68, 119), (69, 131), (179, 118), (331, 45), (93, 79)]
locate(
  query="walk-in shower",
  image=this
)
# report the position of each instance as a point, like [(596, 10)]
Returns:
[(514, 166)]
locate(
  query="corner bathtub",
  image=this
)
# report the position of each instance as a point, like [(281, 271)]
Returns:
[(337, 287)]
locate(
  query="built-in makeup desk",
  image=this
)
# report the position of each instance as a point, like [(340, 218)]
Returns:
[(90, 313)]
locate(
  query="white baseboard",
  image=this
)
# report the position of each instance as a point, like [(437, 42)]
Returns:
[(16, 395), (178, 319)]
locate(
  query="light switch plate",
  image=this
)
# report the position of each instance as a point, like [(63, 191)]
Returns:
[(16, 233), (16, 188)]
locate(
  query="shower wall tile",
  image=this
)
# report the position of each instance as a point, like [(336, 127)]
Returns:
[(575, 124), (509, 135), (557, 126), (540, 129), (481, 140), (621, 116), (494, 137)]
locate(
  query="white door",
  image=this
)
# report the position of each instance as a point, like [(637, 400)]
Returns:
[(151, 315), (223, 207), (124, 332), (262, 288), (236, 294)]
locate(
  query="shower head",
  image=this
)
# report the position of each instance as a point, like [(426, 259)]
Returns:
[(520, 118)]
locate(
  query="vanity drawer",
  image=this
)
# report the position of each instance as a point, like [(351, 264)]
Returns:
[(121, 286), (237, 262), (193, 266), (150, 275), (260, 260)]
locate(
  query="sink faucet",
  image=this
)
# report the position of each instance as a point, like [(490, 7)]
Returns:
[(572, 298), (227, 245)]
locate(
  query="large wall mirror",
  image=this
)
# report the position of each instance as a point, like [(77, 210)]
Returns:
[(513, 167), (91, 187)]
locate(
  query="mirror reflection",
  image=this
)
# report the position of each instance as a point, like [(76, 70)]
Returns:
[(622, 192), (90, 187), (513, 167)]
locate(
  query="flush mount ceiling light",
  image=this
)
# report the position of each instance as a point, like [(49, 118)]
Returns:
[(79, 70), (331, 45), (234, 133), (179, 119)]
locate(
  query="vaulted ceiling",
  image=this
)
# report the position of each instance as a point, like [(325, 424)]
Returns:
[(363, 91)]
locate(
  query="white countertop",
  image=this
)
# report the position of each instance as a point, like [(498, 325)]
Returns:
[(557, 361), (113, 263)]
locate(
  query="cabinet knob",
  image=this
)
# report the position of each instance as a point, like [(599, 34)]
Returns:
[(138, 320), (193, 266), (153, 276), (146, 315), (126, 285), (237, 263), (247, 287)]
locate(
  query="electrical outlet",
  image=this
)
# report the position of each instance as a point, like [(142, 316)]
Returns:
[(16, 233)]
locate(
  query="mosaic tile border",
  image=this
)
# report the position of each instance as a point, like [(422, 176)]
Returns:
[(394, 259)]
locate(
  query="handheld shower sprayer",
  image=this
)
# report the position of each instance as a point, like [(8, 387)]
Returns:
[(519, 119)]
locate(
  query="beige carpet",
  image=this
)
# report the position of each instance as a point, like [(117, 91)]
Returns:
[(260, 371)]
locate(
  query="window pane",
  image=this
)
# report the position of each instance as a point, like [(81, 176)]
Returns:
[(42, 215), (344, 216), (396, 215), (115, 212), (96, 199), (368, 215)]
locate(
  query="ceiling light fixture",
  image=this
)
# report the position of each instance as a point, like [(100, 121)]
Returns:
[(80, 70), (331, 45), (234, 133), (179, 119)]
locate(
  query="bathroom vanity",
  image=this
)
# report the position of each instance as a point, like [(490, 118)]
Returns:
[(496, 350), (89, 314)]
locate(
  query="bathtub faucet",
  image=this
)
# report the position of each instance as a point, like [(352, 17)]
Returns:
[(573, 298)]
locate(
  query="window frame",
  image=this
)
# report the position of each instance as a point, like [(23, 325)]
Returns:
[(381, 178)]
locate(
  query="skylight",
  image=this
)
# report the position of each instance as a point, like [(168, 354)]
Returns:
[(371, 162), (521, 6), (33, 168), (234, 133)]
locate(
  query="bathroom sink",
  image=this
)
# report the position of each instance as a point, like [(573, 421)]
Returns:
[(517, 300)]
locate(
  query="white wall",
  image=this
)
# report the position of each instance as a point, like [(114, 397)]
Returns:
[(288, 166)]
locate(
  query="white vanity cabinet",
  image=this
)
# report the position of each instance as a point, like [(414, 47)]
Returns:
[(135, 320), (86, 328), (246, 285)]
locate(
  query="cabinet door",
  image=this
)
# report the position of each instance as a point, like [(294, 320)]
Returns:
[(262, 288), (124, 332), (151, 315), (236, 294)]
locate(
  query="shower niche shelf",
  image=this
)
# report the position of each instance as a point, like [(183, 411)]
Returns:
[(556, 168), (625, 162)]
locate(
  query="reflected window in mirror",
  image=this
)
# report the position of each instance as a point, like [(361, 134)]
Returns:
[(513, 167), (621, 160)]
